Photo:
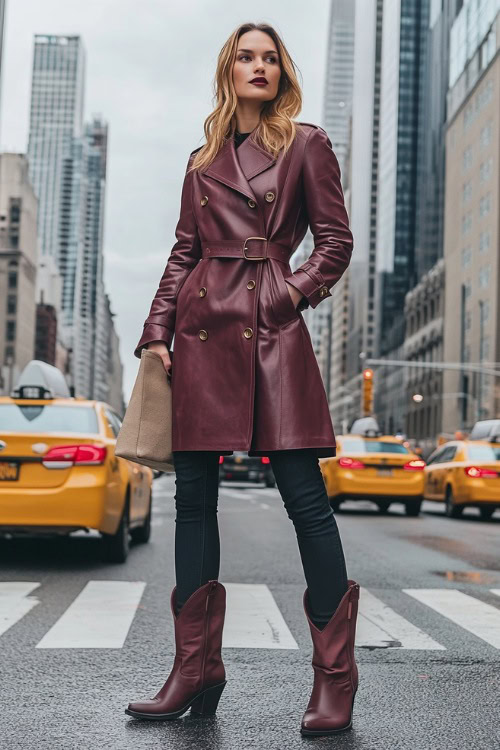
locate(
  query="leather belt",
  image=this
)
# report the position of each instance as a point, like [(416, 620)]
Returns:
[(253, 248)]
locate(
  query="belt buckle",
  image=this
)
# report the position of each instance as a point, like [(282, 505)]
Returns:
[(255, 257)]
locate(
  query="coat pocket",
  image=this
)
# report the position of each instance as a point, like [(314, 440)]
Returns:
[(283, 307)]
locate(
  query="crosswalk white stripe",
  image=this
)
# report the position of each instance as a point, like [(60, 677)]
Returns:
[(379, 626), (479, 618), (271, 491), (253, 619), (15, 602), (99, 617)]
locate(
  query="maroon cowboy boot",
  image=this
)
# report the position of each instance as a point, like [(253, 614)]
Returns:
[(198, 676), (335, 672)]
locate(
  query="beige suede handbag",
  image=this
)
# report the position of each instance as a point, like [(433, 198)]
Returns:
[(146, 432)]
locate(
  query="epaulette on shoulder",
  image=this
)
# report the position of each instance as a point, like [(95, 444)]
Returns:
[(312, 125)]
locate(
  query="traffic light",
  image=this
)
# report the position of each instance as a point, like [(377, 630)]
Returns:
[(367, 391)]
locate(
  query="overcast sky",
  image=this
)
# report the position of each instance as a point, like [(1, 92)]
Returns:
[(149, 73)]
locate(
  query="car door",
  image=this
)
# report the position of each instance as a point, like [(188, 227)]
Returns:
[(431, 474), (137, 476), (443, 470)]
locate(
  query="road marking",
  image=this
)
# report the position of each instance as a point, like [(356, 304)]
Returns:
[(379, 626), (253, 619), (99, 617), (265, 506), (15, 602), (235, 494), (272, 492), (479, 618)]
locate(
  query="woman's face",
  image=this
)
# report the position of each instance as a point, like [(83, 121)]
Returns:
[(256, 58)]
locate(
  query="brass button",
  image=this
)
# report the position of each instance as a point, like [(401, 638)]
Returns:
[(203, 335), (323, 291), (269, 196), (251, 284), (204, 200), (251, 203), (248, 333), (203, 291)]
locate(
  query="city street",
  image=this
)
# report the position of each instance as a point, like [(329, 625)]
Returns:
[(81, 638)]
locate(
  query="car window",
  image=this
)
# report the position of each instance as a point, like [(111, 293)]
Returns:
[(448, 454), (434, 459), (484, 452), (359, 445), (47, 418)]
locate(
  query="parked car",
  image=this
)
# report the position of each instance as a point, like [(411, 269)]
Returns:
[(464, 473), (241, 467), (374, 467), (58, 469)]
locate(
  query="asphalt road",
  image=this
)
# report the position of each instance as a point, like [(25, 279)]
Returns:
[(80, 638)]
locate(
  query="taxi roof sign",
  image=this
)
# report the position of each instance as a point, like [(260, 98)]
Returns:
[(42, 379)]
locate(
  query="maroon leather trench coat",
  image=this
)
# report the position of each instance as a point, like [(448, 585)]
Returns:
[(244, 372)]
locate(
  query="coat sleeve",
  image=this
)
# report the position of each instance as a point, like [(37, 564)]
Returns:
[(185, 254), (333, 241)]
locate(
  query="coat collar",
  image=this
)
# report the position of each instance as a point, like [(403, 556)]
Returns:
[(234, 167)]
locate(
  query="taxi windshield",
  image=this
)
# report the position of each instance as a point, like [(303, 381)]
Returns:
[(359, 445), (47, 418), (484, 452)]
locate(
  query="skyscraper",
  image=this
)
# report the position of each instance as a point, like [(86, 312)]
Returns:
[(56, 117)]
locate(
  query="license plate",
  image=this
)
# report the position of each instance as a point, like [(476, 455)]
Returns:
[(384, 472), (9, 471), (240, 468)]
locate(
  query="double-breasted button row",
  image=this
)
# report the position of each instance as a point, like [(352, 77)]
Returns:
[(247, 333), (323, 291), (251, 203), (204, 200), (251, 284), (203, 291), (269, 196)]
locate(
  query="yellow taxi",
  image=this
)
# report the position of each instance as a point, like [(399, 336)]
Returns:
[(58, 470), (377, 467), (464, 473)]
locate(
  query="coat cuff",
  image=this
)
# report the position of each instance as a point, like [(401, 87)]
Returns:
[(308, 280), (154, 332)]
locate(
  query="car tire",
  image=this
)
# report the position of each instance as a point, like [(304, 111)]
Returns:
[(412, 508), (270, 482), (116, 546), (383, 505), (142, 534), (452, 510), (486, 513)]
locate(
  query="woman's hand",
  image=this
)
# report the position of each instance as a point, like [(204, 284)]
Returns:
[(294, 294), (160, 348)]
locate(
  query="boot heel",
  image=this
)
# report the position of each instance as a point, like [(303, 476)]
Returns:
[(206, 704)]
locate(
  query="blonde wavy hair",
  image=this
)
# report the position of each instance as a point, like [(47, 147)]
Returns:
[(276, 129)]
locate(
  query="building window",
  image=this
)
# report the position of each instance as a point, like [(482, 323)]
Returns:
[(484, 276), (467, 192), (484, 241), (11, 304), (485, 205), (12, 280), (466, 223), (485, 136), (466, 257), (467, 158), (11, 330), (485, 170)]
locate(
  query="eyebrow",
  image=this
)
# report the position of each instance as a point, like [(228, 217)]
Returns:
[(269, 51)]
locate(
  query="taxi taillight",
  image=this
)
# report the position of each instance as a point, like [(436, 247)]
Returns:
[(65, 456), (476, 472), (350, 463), (415, 464), (266, 460)]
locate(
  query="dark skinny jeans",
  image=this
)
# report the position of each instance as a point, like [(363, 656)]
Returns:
[(300, 483)]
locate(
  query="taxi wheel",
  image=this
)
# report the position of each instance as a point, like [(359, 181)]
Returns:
[(116, 546), (486, 513), (142, 534), (383, 505), (452, 510)]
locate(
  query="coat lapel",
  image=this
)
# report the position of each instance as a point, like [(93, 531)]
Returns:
[(234, 167)]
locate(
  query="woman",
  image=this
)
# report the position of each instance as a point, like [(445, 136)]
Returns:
[(245, 376)]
